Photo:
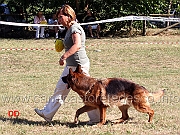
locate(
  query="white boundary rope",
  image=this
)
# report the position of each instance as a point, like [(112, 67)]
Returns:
[(136, 18)]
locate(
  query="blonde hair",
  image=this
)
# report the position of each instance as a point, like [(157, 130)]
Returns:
[(67, 11)]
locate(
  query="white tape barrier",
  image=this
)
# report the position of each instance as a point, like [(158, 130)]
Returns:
[(136, 18)]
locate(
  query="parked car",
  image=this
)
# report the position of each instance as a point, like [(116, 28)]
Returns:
[(175, 15), (163, 24), (158, 24)]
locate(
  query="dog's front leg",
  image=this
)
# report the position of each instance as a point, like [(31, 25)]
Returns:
[(81, 110), (102, 115)]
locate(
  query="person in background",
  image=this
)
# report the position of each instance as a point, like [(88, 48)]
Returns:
[(39, 19), (91, 18), (74, 55), (20, 15), (56, 29)]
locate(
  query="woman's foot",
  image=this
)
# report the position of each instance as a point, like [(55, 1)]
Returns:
[(40, 113)]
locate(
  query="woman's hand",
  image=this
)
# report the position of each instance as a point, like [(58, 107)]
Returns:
[(76, 46), (61, 61)]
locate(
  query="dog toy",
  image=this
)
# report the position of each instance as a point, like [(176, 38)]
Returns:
[(43, 22), (59, 46)]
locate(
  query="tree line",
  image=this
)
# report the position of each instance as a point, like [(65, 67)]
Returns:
[(104, 9)]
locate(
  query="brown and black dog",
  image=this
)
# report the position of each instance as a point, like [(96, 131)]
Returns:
[(103, 93)]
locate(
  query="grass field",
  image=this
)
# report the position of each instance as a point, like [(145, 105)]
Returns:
[(28, 78)]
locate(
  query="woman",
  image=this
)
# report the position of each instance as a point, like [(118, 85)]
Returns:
[(74, 43), (91, 18), (38, 19)]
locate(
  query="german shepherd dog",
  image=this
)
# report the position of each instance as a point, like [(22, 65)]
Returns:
[(103, 93)]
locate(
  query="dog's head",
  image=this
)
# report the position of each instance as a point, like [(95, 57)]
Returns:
[(71, 78)]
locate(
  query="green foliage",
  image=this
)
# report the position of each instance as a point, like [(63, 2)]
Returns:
[(119, 8), (105, 9)]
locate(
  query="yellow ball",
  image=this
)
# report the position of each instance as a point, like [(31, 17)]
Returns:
[(59, 46), (43, 22)]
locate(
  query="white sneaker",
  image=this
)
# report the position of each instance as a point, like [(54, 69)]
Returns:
[(40, 113), (47, 35)]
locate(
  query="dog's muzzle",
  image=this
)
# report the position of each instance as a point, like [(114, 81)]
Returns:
[(64, 79)]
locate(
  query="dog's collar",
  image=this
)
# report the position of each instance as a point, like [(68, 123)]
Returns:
[(90, 89)]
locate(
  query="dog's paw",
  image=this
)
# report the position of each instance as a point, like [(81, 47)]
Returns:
[(100, 124), (76, 121), (121, 120)]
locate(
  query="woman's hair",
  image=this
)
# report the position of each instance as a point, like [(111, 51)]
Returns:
[(39, 13), (67, 11)]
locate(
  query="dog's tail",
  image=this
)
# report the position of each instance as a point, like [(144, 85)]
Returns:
[(154, 97)]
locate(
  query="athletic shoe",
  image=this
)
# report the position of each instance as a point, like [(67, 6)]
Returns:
[(40, 113)]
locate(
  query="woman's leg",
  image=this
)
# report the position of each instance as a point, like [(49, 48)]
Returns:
[(42, 32), (37, 31), (94, 115), (60, 95), (57, 99), (98, 30), (90, 30)]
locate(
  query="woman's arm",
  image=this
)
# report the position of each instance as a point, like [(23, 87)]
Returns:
[(36, 20), (76, 46)]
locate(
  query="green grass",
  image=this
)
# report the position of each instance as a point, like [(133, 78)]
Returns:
[(28, 79)]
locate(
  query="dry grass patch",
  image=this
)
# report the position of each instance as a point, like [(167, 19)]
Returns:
[(28, 78)]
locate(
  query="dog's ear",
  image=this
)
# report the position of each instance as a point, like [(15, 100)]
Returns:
[(78, 69), (71, 71)]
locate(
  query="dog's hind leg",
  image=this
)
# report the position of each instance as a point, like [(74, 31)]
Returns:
[(141, 102), (144, 107), (125, 116), (82, 110)]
